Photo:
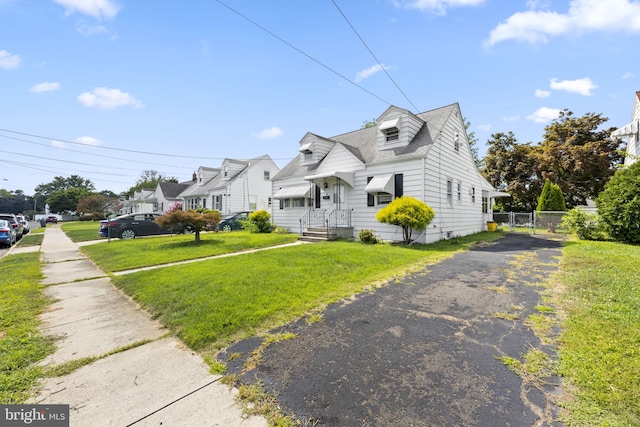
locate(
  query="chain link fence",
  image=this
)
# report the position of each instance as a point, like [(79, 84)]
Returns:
[(530, 222)]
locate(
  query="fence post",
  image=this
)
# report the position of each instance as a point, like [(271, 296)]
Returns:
[(534, 222)]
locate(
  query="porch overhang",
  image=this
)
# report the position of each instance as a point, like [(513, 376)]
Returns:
[(626, 130), (347, 177), (296, 192), (380, 184), (498, 194)]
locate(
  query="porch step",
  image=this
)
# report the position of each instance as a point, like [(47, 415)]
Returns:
[(318, 234)]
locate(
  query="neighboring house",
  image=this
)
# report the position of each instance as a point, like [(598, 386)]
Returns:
[(142, 201), (166, 195), (631, 131), (340, 183), (238, 185)]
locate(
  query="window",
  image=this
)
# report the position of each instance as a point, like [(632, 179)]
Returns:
[(398, 187), (371, 199), (226, 171), (217, 202), (449, 192), (266, 175), (456, 142), (485, 202), (473, 194), (459, 192), (392, 134), (384, 198), (269, 202)]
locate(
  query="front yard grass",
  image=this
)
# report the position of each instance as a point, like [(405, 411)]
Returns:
[(21, 343), (600, 345), (81, 231), (118, 255), (211, 303)]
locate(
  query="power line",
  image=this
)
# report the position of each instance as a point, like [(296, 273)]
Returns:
[(302, 52), (374, 57)]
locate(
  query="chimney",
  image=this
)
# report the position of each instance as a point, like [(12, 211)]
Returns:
[(194, 177)]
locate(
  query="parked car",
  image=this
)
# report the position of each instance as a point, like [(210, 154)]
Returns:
[(7, 233), (131, 226), (232, 221), (52, 219), (15, 224), (25, 223)]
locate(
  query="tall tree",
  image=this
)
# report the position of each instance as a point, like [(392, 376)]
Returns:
[(66, 201), (577, 156), (43, 191), (473, 144)]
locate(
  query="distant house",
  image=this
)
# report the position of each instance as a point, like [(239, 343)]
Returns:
[(631, 132), (238, 185), (166, 195), (340, 183), (142, 201)]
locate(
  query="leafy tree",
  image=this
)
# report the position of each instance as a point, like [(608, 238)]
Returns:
[(369, 124), (93, 204), (619, 205), (473, 144), (408, 213), (149, 179), (195, 221), (577, 156), (551, 198), (258, 222), (43, 191), (66, 201), (507, 167)]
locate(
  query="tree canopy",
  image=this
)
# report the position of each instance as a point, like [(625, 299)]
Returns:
[(574, 153), (619, 205), (43, 191), (149, 179), (190, 219), (551, 198), (66, 201)]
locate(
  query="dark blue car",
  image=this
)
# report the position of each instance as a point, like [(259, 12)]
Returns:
[(7, 233)]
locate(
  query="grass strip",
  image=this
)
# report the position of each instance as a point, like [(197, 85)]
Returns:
[(81, 231), (600, 345), (212, 303), (31, 239), (118, 255), (21, 343)]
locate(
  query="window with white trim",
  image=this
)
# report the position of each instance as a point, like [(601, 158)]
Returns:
[(473, 194), (217, 202), (449, 192), (392, 134), (267, 175), (459, 192)]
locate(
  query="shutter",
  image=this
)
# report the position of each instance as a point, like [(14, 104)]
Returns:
[(371, 199), (399, 187)]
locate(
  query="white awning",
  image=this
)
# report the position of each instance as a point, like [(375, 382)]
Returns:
[(347, 177), (388, 124), (297, 192), (627, 130), (496, 194), (380, 184), (305, 148)]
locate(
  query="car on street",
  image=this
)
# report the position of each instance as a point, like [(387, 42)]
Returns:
[(15, 224), (131, 226), (52, 219), (25, 223), (232, 221), (7, 233)]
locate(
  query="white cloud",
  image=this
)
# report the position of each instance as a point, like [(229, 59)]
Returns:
[(88, 140), (103, 97), (583, 16), (270, 133), (628, 75), (44, 87), (544, 115), (92, 30), (9, 61), (511, 119), (542, 93), (485, 128), (436, 6), (370, 71), (57, 144), (581, 86), (100, 9)]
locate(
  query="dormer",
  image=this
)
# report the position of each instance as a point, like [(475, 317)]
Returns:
[(231, 168), (313, 148), (204, 174), (396, 128)]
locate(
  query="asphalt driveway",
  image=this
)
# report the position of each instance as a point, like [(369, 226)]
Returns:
[(423, 350)]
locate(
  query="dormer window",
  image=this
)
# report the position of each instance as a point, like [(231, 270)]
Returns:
[(226, 171), (390, 129), (392, 134), (305, 148)]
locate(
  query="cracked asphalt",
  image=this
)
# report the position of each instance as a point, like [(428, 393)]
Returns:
[(423, 350)]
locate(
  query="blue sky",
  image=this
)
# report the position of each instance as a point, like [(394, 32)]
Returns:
[(108, 88)]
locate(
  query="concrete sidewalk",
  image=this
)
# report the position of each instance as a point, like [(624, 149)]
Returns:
[(158, 381)]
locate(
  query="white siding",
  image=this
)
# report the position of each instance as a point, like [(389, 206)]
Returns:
[(290, 217)]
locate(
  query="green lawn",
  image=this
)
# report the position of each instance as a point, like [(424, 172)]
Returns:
[(81, 231), (32, 239), (118, 255), (21, 343), (600, 343), (211, 303)]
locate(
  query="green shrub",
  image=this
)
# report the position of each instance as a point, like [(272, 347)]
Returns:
[(619, 205), (258, 222), (585, 225), (368, 236), (408, 213), (92, 217), (551, 198)]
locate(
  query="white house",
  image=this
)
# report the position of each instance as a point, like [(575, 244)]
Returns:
[(238, 185), (341, 182), (631, 131)]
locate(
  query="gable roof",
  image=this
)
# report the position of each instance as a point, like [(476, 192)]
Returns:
[(363, 143), (171, 190)]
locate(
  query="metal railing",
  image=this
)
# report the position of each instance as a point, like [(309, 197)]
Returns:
[(311, 218), (339, 218), (550, 221)]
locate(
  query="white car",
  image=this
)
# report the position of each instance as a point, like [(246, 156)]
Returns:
[(24, 222)]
